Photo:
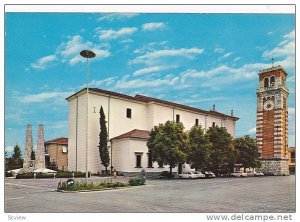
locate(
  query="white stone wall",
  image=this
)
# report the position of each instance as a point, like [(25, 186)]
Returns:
[(144, 117)]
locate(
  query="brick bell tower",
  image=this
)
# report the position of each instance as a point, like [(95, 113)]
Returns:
[(272, 121)]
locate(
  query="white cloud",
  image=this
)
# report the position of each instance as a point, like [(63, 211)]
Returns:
[(291, 111), (44, 62), (237, 59), (153, 56), (151, 70), (153, 26), (270, 33), (219, 50), (285, 48), (126, 41), (100, 83), (70, 51), (125, 83), (252, 130), (116, 16), (226, 55), (107, 34), (42, 97), (9, 149)]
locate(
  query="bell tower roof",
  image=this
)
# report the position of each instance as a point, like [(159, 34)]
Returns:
[(271, 70)]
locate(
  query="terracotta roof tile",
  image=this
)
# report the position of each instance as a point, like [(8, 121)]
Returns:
[(61, 140), (139, 134)]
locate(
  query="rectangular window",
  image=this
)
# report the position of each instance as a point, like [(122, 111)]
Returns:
[(196, 122), (177, 118), (128, 113), (138, 162), (213, 124), (64, 149), (150, 160)]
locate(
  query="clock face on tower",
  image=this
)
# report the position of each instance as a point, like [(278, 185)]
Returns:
[(268, 105)]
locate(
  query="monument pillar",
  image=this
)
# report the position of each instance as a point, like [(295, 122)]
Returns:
[(28, 148), (40, 155)]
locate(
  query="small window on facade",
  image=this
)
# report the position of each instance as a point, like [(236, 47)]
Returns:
[(128, 113), (150, 160), (272, 81), (138, 162), (196, 122), (64, 149), (177, 118), (266, 82), (213, 124)]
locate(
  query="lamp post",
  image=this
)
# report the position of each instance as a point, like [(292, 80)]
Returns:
[(87, 54)]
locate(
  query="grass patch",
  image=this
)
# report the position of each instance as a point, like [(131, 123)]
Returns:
[(89, 186)]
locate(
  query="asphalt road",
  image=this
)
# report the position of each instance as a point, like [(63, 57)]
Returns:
[(249, 195)]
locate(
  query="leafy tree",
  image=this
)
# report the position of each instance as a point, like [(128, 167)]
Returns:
[(247, 152), (199, 147), (168, 144), (15, 161), (32, 157), (222, 151), (103, 136)]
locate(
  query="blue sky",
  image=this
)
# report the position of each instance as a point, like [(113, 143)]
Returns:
[(194, 59)]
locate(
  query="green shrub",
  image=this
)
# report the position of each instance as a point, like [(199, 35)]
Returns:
[(44, 175), (64, 174), (28, 175), (8, 174), (136, 181)]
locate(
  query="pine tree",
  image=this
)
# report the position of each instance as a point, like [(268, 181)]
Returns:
[(103, 136), (16, 160)]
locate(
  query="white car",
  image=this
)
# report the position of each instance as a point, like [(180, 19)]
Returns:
[(258, 173), (239, 174), (188, 175), (199, 174)]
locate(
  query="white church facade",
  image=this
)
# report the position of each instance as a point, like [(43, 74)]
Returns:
[(129, 121)]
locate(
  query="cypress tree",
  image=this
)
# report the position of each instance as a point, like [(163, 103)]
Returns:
[(103, 136)]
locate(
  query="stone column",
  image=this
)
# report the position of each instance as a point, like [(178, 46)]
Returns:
[(28, 148), (40, 153)]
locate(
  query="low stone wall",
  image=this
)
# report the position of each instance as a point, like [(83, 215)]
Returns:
[(276, 167)]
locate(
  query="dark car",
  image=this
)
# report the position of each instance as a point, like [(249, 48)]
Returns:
[(166, 175)]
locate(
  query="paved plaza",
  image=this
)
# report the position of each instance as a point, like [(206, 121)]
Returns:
[(268, 194)]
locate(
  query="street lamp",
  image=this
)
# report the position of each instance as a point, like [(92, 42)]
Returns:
[(88, 55)]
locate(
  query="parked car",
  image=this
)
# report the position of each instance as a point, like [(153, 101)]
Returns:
[(166, 175), (188, 175), (239, 174), (199, 174), (208, 174), (258, 173)]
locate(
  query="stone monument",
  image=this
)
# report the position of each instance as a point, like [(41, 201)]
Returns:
[(28, 163), (40, 153)]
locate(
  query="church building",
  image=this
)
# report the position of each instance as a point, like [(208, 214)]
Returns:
[(129, 121)]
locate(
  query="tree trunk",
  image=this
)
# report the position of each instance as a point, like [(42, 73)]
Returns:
[(106, 170), (171, 171), (244, 169)]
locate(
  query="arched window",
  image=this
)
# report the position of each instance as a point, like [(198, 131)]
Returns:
[(266, 82), (272, 81)]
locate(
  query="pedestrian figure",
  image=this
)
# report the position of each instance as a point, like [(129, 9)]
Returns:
[(115, 174)]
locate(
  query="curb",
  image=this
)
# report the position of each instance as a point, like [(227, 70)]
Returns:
[(93, 190)]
